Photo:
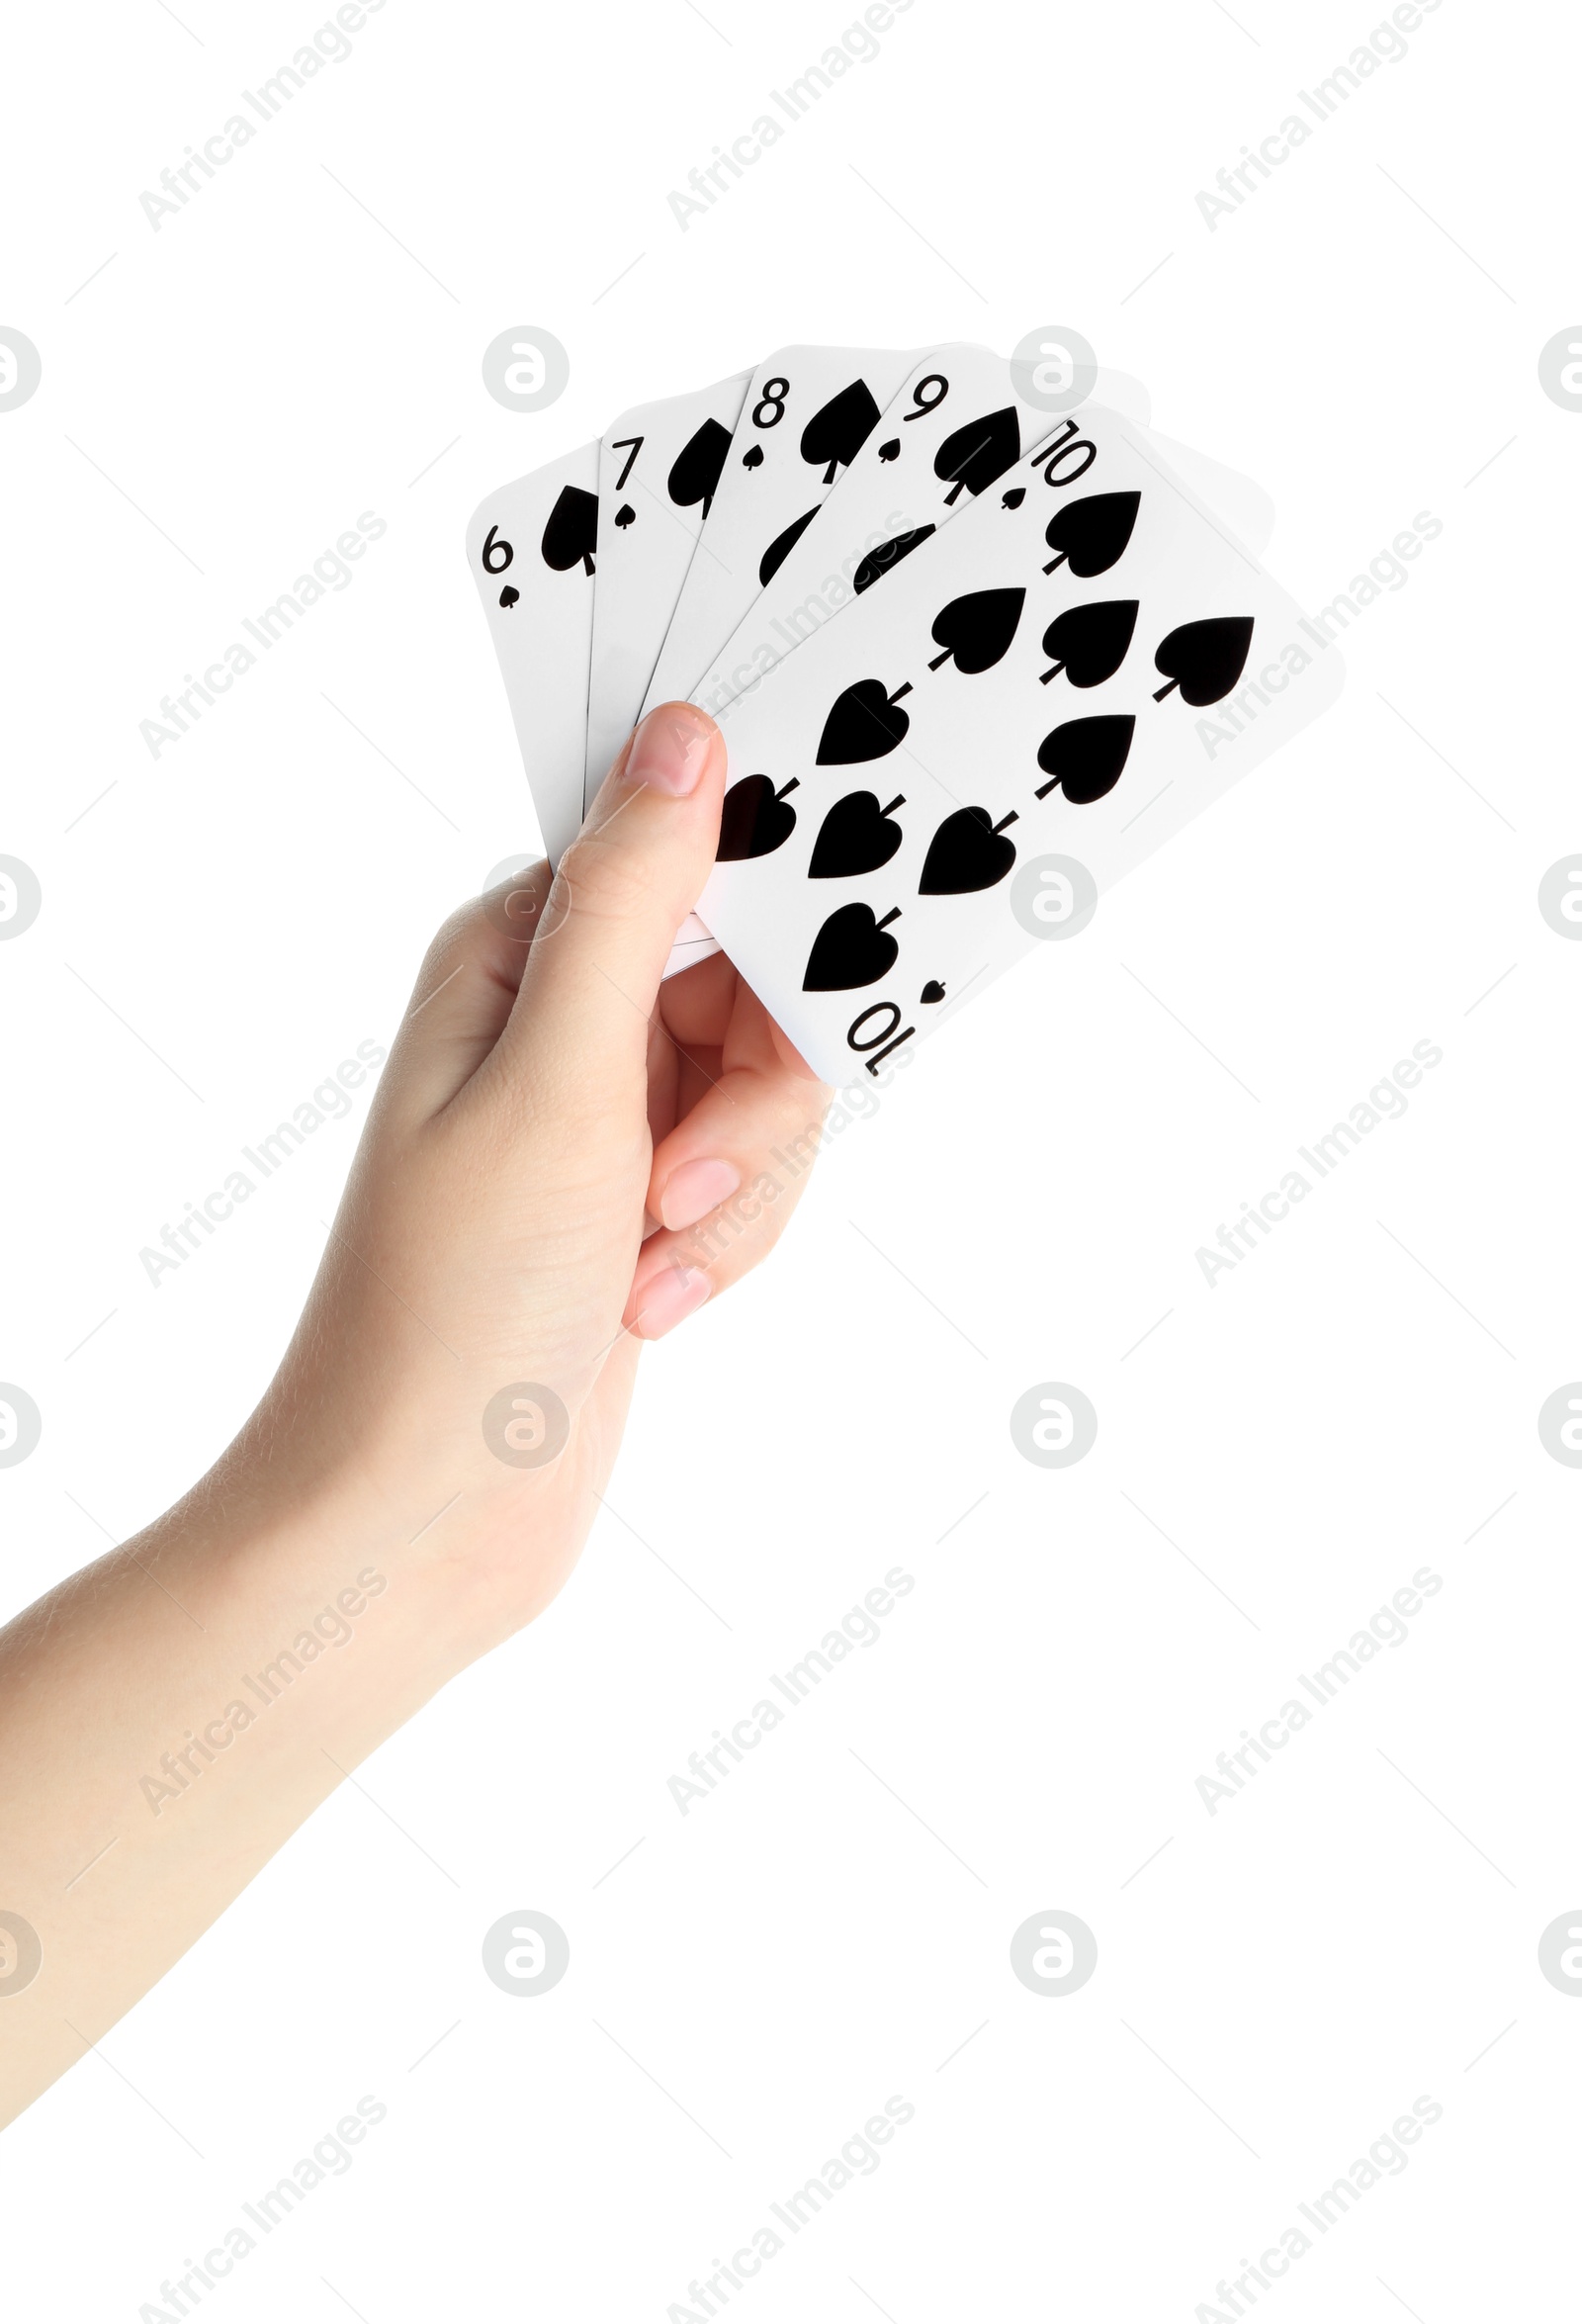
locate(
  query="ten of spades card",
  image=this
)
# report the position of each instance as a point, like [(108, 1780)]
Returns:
[(1028, 698)]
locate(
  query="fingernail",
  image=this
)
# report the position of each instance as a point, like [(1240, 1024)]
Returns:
[(675, 1294), (669, 751), (692, 1191)]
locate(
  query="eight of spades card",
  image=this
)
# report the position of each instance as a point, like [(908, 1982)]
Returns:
[(806, 415)]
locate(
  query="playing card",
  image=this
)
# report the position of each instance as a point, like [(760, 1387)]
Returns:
[(1240, 504), (531, 546), (1055, 685), (804, 419), (957, 424), (659, 468)]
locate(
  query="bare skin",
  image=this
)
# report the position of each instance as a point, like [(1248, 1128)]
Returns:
[(545, 1103)]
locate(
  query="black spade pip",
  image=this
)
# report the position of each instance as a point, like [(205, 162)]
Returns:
[(695, 473), (878, 561), (851, 948), (1090, 536), (977, 629), (976, 453), (1084, 758), (856, 835), (967, 853), (863, 723), (779, 549), (836, 433), (754, 820), (1089, 642), (1204, 658), (571, 533)]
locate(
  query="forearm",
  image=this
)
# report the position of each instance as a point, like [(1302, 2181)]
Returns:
[(172, 1714), (423, 1471)]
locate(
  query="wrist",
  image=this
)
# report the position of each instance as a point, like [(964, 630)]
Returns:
[(431, 1562)]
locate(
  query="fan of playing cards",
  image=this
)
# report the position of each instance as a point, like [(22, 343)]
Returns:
[(973, 660)]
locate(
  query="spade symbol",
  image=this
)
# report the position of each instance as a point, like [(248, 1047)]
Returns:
[(572, 531), (508, 597), (851, 948), (855, 835), (755, 458), (1090, 642), (835, 436), (979, 452), (1084, 758), (1090, 535), (863, 723), (623, 515), (977, 628), (1015, 497), (967, 853), (890, 449), (695, 474), (934, 990), (754, 820), (878, 561), (1204, 658), (775, 555)]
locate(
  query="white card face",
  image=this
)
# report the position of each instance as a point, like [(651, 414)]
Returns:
[(957, 423), (659, 467), (804, 419), (532, 548), (982, 744), (1242, 506)]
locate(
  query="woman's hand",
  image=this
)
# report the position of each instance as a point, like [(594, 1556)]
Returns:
[(563, 1159), (548, 1100)]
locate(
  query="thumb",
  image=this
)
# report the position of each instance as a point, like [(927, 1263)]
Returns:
[(623, 887)]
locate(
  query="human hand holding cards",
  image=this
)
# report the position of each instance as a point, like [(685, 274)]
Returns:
[(1073, 652)]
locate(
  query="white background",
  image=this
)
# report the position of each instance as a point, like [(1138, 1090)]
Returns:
[(1273, 1460)]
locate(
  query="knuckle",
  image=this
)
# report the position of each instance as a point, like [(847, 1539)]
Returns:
[(604, 879), (452, 937)]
